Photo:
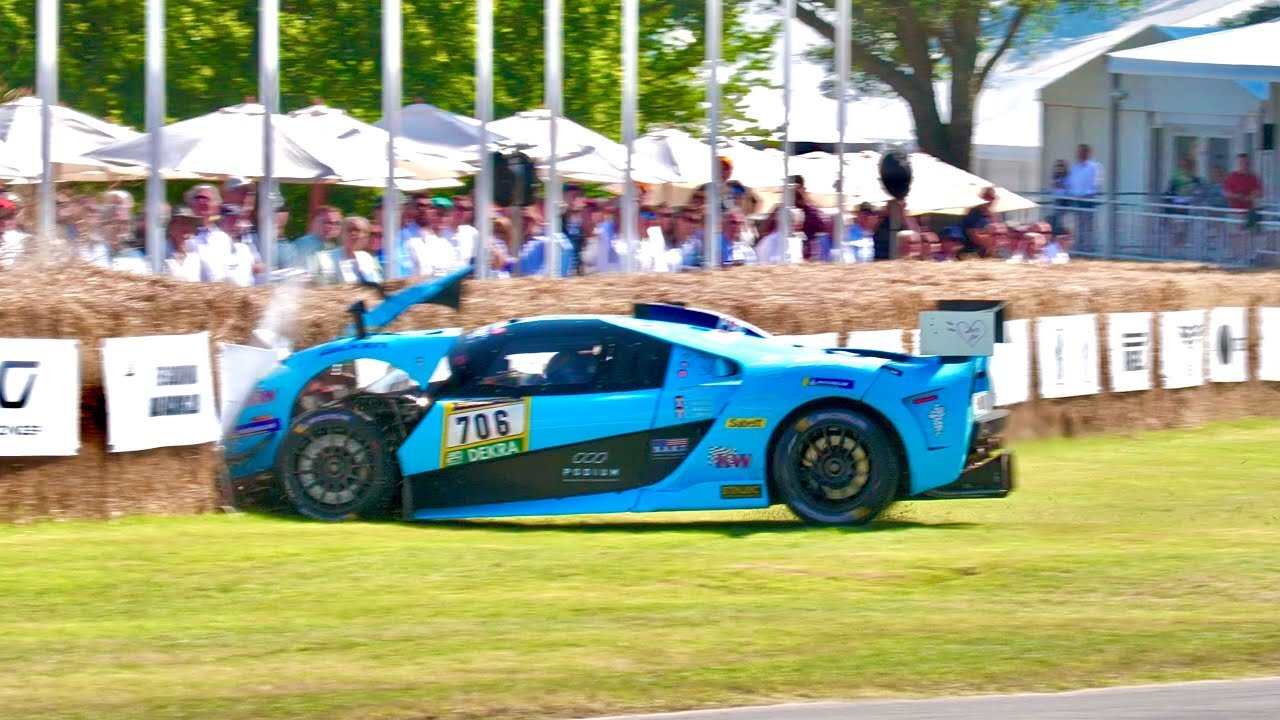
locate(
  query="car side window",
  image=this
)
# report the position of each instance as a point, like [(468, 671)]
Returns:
[(542, 366)]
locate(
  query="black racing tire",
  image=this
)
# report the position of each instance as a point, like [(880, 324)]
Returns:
[(335, 464), (835, 466)]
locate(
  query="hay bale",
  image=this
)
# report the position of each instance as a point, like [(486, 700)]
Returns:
[(91, 304)]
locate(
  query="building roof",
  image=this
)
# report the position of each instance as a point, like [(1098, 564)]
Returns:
[(1242, 54)]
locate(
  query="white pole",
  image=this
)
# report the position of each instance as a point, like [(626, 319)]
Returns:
[(711, 256), (47, 88), (155, 222), (842, 90), (484, 112), (269, 96), (630, 73), (392, 26), (788, 192), (554, 25)]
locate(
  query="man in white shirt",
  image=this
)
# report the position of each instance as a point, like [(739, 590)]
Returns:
[(423, 251), (12, 240), (1084, 182), (462, 237), (211, 243)]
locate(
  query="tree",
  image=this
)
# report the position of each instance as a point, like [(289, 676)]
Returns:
[(910, 46), (1260, 14), (331, 49)]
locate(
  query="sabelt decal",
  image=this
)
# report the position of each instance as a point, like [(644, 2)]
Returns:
[(262, 397), (728, 458), (740, 492), (668, 448), (746, 423), (828, 382), (475, 431)]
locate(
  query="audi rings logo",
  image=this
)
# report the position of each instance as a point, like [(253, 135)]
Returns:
[(590, 458)]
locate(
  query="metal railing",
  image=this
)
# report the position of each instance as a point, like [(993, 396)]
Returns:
[(1139, 227)]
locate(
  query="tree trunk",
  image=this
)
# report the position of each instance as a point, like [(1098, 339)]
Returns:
[(949, 142)]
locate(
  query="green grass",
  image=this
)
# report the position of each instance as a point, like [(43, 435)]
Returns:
[(1117, 560)]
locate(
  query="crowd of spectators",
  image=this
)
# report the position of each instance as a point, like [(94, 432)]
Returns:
[(212, 235)]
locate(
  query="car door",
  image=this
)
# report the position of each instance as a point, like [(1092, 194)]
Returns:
[(546, 410)]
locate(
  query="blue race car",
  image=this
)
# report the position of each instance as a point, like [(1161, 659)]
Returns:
[(669, 409)]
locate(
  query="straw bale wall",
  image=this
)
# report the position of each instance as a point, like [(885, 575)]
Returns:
[(91, 305)]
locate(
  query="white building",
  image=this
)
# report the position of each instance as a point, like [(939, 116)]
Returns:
[(1161, 119), (1008, 127)]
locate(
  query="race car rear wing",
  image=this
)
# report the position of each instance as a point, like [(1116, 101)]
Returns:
[(960, 328), (677, 313)]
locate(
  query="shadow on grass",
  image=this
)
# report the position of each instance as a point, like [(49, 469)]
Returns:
[(727, 528)]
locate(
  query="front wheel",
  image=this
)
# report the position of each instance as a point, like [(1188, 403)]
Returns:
[(835, 466), (336, 464)]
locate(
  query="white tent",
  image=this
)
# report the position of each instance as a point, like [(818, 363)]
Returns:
[(430, 125), (74, 135), (229, 143), (349, 135), (936, 186), (1245, 54), (582, 154)]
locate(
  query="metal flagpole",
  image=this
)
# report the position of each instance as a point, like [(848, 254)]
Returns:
[(630, 71), (392, 26), (711, 256), (788, 192), (484, 112), (269, 96), (47, 88), (554, 25), (842, 90), (155, 222)]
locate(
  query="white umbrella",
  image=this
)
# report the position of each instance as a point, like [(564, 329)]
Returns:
[(584, 154), (349, 135), (689, 157), (430, 125), (936, 187), (228, 143), (74, 135)]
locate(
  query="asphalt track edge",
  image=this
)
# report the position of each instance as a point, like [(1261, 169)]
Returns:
[(834, 709)]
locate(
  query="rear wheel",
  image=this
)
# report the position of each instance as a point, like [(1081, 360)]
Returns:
[(835, 466), (335, 464)]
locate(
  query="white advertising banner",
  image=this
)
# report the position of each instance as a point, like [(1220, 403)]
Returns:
[(1130, 343), (240, 367), (1182, 348), (1228, 344), (1269, 343), (886, 340), (821, 340), (39, 397), (1067, 354), (1011, 364), (159, 392)]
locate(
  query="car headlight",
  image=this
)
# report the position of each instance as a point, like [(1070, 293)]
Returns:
[(983, 403)]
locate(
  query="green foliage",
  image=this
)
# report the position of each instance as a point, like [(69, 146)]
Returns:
[(1260, 14), (331, 50)]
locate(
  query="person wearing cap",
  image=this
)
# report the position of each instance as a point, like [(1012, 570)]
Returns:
[(244, 263), (12, 240), (423, 252), (461, 237)]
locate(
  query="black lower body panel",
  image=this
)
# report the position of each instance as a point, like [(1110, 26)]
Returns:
[(991, 478)]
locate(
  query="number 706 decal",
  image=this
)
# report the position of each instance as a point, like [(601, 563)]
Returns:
[(484, 430)]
